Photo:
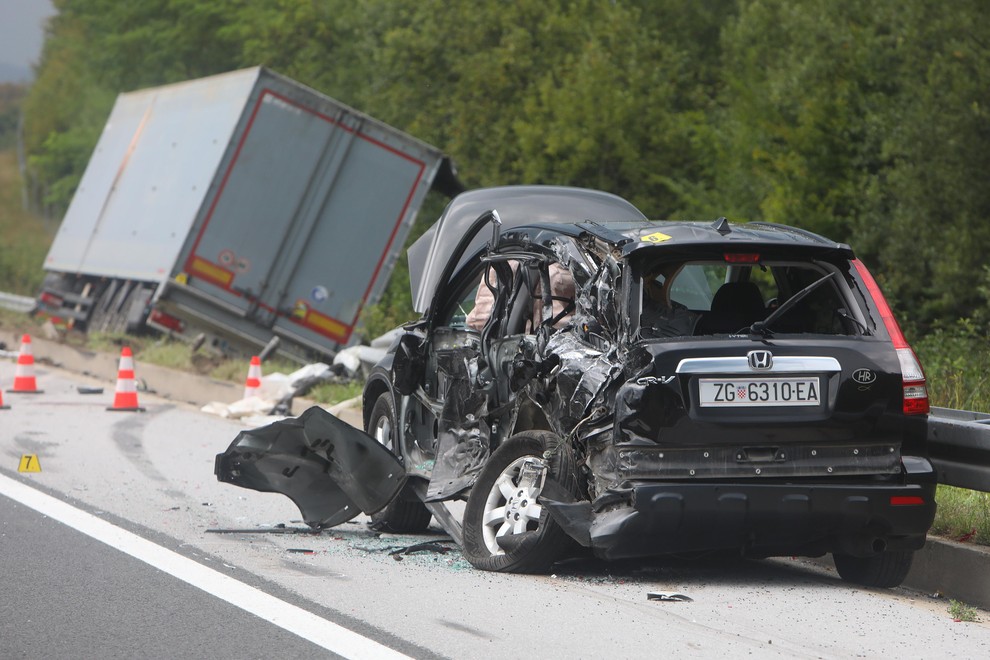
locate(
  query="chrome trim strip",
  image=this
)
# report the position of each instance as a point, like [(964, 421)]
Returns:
[(782, 364)]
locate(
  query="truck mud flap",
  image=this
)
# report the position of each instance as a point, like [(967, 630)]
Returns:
[(329, 469)]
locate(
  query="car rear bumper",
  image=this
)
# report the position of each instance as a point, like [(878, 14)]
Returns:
[(757, 519)]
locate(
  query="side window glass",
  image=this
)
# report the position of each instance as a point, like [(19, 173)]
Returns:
[(462, 300), (695, 285), (461, 310)]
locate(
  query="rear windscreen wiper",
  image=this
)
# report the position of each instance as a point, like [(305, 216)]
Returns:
[(762, 328)]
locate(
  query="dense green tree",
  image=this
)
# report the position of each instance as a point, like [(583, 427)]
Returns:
[(864, 120), (930, 229), (596, 94)]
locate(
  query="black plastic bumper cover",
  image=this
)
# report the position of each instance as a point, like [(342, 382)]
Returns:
[(759, 519)]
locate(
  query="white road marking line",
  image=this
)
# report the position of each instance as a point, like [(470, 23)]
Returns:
[(289, 617)]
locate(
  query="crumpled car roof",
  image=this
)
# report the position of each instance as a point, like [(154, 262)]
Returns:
[(516, 206)]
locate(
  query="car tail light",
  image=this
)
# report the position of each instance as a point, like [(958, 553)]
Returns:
[(741, 258), (167, 321), (912, 375)]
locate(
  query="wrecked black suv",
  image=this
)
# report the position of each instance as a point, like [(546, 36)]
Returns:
[(582, 375)]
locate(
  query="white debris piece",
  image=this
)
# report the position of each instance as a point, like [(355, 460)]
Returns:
[(274, 387), (348, 358), (353, 358)]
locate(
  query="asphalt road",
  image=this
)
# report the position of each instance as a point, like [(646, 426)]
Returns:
[(107, 553), (68, 595)]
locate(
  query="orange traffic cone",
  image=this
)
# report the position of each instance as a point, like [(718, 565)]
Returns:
[(125, 397), (24, 381), (253, 382)]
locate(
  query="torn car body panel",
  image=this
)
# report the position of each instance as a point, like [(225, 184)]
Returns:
[(516, 205), (329, 469)]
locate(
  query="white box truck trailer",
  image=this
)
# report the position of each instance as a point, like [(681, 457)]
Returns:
[(244, 208)]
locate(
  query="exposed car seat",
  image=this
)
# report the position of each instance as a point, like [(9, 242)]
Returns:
[(736, 305)]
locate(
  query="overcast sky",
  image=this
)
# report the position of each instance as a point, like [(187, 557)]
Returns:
[(21, 35)]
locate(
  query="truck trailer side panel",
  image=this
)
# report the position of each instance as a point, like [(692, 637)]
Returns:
[(243, 205), (147, 178)]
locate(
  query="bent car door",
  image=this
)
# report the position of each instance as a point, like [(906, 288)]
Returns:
[(329, 469), (478, 332)]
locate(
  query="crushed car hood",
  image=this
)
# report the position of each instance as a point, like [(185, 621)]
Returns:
[(331, 470), (516, 206)]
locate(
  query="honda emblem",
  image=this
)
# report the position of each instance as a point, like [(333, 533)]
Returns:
[(760, 360)]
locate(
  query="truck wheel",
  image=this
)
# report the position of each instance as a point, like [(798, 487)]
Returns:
[(887, 569), (505, 527), (405, 513)]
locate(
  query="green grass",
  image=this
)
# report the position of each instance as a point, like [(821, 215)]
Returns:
[(11, 320), (331, 393), (962, 612), (107, 342), (957, 363), (963, 515)]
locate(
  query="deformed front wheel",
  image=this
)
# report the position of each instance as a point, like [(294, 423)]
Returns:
[(887, 569), (405, 514), (506, 529)]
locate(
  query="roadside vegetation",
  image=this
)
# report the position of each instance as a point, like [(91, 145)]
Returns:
[(179, 355), (23, 238), (960, 611), (866, 121)]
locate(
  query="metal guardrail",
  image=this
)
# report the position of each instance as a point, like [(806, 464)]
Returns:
[(15, 302), (959, 445)]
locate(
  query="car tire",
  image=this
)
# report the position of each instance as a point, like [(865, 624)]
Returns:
[(405, 514), (542, 541), (887, 569)]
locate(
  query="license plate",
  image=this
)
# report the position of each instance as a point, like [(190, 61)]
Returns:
[(729, 393)]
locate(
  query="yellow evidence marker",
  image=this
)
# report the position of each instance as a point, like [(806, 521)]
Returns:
[(658, 237), (29, 463)]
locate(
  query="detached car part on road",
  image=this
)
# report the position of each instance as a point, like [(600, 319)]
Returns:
[(642, 388)]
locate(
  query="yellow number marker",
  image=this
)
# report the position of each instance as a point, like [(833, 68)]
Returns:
[(29, 463), (658, 237)]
